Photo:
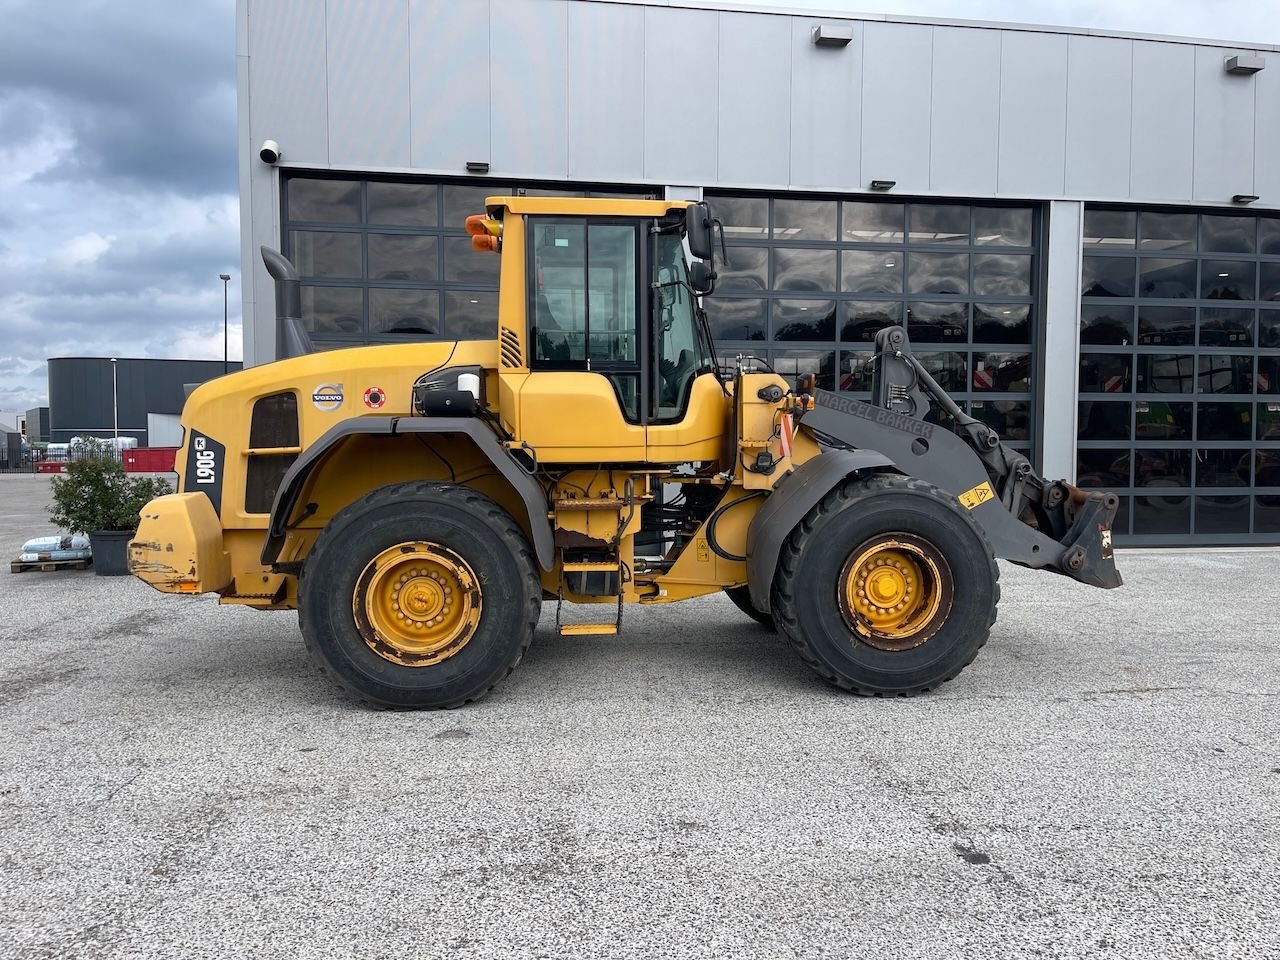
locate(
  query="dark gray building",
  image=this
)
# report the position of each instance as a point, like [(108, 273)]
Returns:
[(88, 398), (38, 424)]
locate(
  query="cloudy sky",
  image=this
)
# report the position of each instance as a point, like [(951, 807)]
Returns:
[(118, 202)]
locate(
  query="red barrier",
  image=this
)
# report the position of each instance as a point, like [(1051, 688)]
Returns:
[(150, 459)]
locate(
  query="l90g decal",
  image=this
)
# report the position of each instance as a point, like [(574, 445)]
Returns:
[(206, 458)]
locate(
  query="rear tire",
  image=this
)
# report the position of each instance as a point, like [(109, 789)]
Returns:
[(396, 549), (741, 597), (939, 586)]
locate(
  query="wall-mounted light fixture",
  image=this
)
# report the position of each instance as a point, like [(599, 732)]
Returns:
[(1243, 64), (477, 166), (883, 184), (1244, 198), (827, 35)]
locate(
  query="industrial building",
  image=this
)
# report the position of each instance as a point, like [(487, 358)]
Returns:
[(1081, 231)]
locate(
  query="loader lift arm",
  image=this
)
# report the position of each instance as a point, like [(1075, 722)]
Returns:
[(1028, 520)]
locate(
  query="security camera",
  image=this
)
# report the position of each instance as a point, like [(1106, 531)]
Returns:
[(270, 151)]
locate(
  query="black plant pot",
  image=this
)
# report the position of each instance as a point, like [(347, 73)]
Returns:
[(110, 552)]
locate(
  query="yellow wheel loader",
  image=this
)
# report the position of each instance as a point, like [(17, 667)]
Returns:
[(418, 503)]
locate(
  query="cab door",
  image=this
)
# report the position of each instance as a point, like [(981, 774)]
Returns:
[(585, 398)]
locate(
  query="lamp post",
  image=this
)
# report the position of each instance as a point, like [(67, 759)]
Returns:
[(115, 407), (224, 277)]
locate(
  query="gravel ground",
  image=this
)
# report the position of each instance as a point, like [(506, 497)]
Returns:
[(176, 781)]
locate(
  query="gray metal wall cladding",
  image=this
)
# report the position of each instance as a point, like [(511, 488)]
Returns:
[(612, 92), (80, 400)]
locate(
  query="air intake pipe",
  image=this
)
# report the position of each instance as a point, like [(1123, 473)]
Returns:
[(292, 339)]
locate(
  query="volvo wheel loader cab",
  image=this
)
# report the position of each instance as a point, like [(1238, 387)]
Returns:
[(418, 503)]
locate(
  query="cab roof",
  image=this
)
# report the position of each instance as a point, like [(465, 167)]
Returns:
[(584, 206)]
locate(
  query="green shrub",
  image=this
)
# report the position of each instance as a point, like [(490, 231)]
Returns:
[(96, 494)]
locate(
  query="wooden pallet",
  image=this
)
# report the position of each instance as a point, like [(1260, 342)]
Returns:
[(21, 566)]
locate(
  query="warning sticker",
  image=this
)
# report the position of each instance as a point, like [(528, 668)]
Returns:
[(977, 496)]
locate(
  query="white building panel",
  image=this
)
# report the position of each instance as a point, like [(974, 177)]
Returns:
[(529, 71), (288, 99), (680, 115), (1224, 128), (1163, 121), (1099, 117), (606, 90), (1266, 132), (826, 109), (368, 78), (1033, 100), (896, 95), (448, 83), (965, 117), (755, 99)]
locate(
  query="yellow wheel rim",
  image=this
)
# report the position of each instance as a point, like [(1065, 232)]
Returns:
[(417, 604), (895, 591)]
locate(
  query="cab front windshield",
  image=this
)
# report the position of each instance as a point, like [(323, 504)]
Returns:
[(678, 349)]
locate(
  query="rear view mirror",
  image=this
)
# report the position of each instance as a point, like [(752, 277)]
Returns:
[(697, 219), (701, 277)]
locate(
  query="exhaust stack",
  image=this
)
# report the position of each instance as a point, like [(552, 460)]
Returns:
[(292, 339)]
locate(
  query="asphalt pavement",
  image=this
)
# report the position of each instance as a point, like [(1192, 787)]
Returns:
[(177, 781)]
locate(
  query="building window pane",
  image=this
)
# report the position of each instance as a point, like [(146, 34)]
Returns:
[(1105, 373), (404, 204), (471, 314), (861, 320), (1011, 419), (1224, 421), (871, 222), (1106, 324), (938, 322), (1228, 279), (461, 202), (464, 264), (804, 270), (804, 220), (1222, 468), (1266, 514), (1105, 420), (333, 309), (1164, 279), (938, 273), (948, 368), (1001, 323), (1168, 231), (1269, 276), (1268, 375), (1225, 374), (1227, 234), (324, 201), (1269, 328), (804, 319), (1162, 420), (1166, 373), (1269, 235), (323, 254), (1269, 423), (1003, 226), (1103, 469), (1171, 326), (412, 313), (741, 216), (871, 271), (1002, 275), (1007, 372), (856, 370), (1161, 468), (409, 257), (745, 268), (1107, 277), (1226, 327), (735, 319), (939, 223), (1162, 515), (1109, 229), (1222, 514)]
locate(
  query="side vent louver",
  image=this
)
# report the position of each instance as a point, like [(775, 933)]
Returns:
[(273, 435), (509, 345)]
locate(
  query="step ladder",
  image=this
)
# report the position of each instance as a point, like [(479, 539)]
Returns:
[(604, 561)]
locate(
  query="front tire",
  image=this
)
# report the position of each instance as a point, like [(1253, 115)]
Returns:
[(887, 587), (419, 596)]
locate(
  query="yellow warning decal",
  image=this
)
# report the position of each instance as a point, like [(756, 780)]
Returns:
[(977, 496)]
